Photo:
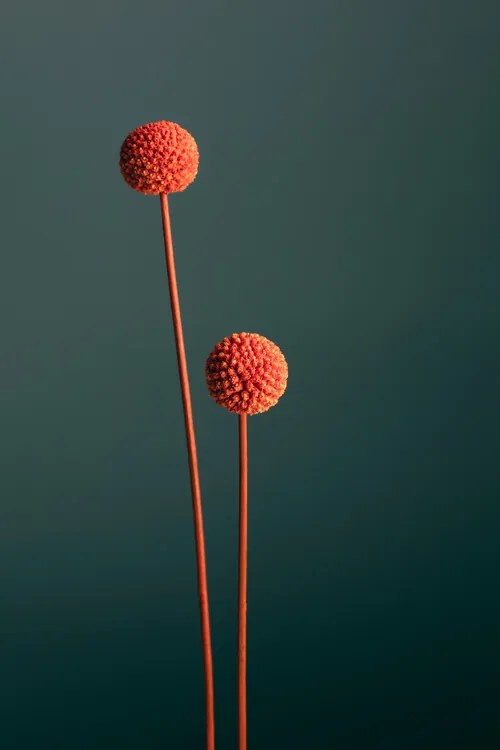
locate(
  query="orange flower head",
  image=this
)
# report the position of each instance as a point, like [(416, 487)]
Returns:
[(160, 157), (246, 373)]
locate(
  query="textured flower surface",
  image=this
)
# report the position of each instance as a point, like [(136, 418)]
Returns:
[(246, 373), (159, 157)]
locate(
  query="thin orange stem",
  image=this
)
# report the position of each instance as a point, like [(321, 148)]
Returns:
[(242, 586), (201, 564)]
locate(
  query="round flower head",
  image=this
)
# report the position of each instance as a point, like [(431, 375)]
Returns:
[(246, 373), (160, 157)]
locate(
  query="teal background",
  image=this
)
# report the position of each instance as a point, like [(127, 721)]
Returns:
[(347, 208)]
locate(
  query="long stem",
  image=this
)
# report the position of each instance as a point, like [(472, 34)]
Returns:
[(242, 586), (201, 564)]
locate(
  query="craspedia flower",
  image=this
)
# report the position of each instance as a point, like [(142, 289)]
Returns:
[(246, 373), (159, 157)]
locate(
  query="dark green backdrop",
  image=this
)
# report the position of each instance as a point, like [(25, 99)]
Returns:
[(347, 208)]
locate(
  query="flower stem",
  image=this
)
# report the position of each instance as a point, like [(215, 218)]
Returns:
[(242, 585), (201, 564)]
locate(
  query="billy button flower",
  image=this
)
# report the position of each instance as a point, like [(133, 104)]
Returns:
[(157, 159), (246, 374)]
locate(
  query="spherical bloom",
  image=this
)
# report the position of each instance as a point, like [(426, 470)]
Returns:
[(246, 373), (160, 157)]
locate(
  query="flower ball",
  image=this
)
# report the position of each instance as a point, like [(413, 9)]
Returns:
[(159, 157), (246, 373)]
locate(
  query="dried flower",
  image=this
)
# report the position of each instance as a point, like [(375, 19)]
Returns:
[(160, 157), (246, 373)]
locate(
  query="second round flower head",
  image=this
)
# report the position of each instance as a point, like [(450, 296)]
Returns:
[(246, 373)]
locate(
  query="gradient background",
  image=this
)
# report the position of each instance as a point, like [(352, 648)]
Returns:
[(346, 207)]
